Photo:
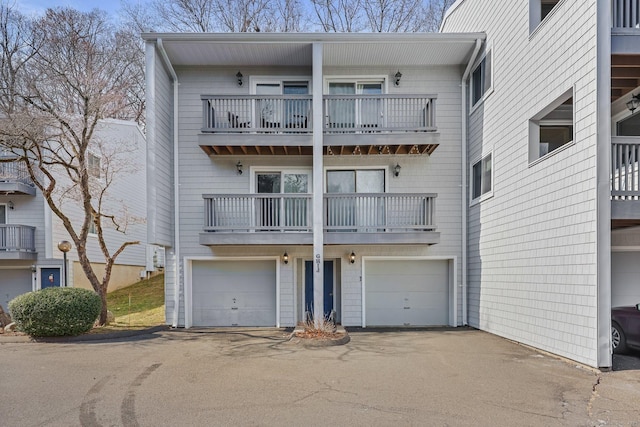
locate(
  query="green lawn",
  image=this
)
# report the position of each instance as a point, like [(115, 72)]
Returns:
[(141, 303)]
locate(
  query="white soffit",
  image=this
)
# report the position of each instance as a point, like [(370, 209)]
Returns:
[(289, 49)]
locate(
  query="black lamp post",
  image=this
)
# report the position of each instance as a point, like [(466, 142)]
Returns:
[(64, 247)]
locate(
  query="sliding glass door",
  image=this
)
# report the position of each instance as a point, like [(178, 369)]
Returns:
[(279, 211), (362, 205)]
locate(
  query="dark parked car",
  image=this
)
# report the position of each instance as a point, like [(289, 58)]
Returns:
[(625, 328)]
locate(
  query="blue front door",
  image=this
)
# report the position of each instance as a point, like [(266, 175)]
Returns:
[(327, 288), (49, 277)]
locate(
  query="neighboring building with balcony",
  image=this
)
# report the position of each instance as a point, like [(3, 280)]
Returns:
[(554, 146), (30, 232), (292, 171)]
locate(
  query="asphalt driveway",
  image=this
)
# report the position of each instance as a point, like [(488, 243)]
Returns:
[(256, 377)]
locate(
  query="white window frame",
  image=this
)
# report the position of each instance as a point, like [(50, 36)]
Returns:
[(481, 62), (254, 170), (486, 194), (93, 169), (536, 121), (386, 169), (535, 15)]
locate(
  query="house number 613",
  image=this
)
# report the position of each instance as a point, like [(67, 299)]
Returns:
[(318, 263)]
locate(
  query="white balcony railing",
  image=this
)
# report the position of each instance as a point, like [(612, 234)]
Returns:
[(17, 238), (379, 212), (256, 113), (625, 158), (257, 212), (14, 172), (625, 13), (363, 213), (342, 113), (379, 113)]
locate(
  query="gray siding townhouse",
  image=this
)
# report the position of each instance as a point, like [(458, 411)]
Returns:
[(300, 173), (553, 124), (30, 232)]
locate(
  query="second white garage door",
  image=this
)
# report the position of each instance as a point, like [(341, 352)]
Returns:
[(625, 278), (234, 293), (406, 293)]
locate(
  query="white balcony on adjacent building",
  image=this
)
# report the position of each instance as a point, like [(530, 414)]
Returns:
[(17, 242), (625, 188), (14, 179)]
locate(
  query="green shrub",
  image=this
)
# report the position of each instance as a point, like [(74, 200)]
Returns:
[(56, 311)]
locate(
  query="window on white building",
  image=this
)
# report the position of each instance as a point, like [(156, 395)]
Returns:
[(481, 79), (93, 163), (539, 10), (552, 128), (481, 174)]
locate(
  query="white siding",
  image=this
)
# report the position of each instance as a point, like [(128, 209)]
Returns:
[(439, 173), (126, 193), (532, 246)]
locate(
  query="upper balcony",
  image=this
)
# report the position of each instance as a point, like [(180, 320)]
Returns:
[(625, 191), (17, 242), (14, 179), (287, 219), (625, 27), (352, 124)]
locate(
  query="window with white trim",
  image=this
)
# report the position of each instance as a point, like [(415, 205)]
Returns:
[(93, 165), (481, 79), (552, 128), (92, 225), (481, 177), (539, 10)]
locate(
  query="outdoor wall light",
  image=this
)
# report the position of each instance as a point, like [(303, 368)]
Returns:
[(397, 76), (10, 205), (33, 268), (633, 103), (239, 168), (240, 78), (285, 258), (396, 170), (352, 257)]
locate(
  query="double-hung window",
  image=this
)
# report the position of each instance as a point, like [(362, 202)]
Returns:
[(481, 79), (481, 177)]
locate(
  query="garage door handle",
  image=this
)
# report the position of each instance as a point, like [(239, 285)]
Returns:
[(407, 308), (234, 308)]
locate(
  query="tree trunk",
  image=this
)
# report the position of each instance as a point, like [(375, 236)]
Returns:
[(102, 292)]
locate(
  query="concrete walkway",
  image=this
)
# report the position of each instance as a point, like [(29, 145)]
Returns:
[(258, 377)]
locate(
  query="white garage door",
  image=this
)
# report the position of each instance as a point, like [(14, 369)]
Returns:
[(406, 293), (625, 278), (13, 282), (234, 293)]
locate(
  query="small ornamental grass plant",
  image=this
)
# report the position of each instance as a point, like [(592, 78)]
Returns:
[(52, 312), (326, 328)]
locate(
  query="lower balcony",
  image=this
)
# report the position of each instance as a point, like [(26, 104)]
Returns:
[(625, 191), (17, 242), (287, 219)]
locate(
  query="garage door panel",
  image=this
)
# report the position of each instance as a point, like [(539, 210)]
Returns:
[(406, 292), (625, 278), (234, 293), (13, 282)]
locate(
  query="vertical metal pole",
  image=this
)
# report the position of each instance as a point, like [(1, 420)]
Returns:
[(64, 270), (318, 187)]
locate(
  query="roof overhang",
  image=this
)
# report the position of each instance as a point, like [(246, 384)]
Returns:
[(295, 49)]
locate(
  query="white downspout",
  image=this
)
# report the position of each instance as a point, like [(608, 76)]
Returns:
[(176, 191), (465, 145)]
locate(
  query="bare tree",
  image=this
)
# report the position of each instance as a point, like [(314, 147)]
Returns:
[(69, 73), (339, 16), (394, 16), (435, 12)]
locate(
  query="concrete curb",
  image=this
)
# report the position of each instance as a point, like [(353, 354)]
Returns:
[(85, 337)]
